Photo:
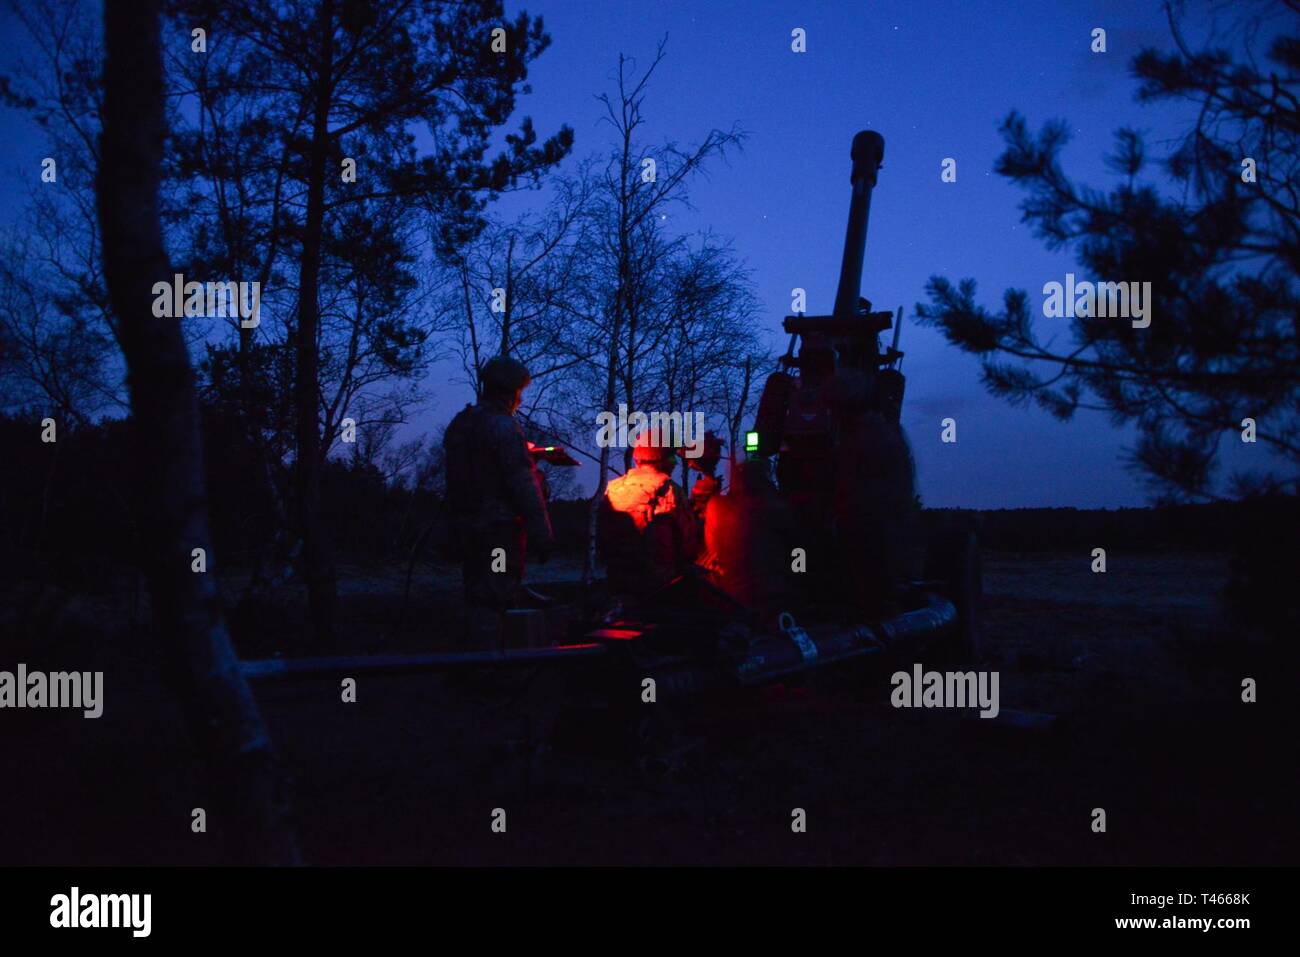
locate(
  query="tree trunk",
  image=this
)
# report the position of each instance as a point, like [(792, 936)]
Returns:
[(593, 515), (317, 566), (248, 791), (593, 507)]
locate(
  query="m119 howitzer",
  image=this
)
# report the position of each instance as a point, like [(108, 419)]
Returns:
[(798, 415)]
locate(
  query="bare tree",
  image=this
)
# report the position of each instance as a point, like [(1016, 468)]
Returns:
[(57, 330), (521, 287), (706, 361), (54, 352), (631, 245)]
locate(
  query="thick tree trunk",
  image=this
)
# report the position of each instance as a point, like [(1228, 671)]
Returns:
[(317, 565), (249, 804)]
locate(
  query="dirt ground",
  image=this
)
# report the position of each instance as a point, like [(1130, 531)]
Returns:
[(1140, 671)]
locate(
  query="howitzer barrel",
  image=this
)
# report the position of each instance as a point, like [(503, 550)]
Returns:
[(868, 151)]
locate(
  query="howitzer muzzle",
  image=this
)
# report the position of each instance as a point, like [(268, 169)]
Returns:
[(868, 152)]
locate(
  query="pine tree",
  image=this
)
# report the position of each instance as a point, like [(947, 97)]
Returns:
[(1221, 250)]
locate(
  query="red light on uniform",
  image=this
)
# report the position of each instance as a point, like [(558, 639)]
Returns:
[(637, 494)]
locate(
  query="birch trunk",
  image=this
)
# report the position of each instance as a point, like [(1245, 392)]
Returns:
[(248, 804)]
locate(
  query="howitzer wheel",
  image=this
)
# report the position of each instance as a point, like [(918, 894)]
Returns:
[(952, 558)]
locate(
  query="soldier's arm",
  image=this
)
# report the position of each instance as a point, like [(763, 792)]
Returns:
[(702, 489), (692, 526), (521, 484)]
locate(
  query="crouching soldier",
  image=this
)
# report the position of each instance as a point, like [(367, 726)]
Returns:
[(647, 532), (496, 507)]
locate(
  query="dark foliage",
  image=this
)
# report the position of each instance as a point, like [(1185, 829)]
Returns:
[(1221, 249)]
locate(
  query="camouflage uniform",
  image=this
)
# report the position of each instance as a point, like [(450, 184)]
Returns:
[(494, 500), (647, 531), (706, 485), (703, 490)]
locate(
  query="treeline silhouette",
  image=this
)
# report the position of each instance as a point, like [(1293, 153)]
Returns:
[(66, 508), (1207, 527)]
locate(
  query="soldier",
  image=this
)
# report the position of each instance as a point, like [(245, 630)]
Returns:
[(706, 484), (647, 531), (749, 535), (494, 498)]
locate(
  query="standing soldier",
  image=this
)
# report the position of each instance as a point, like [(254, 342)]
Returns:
[(494, 499)]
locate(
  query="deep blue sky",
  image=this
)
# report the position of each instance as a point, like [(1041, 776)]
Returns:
[(934, 78)]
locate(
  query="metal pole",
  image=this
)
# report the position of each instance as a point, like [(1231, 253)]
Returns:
[(411, 664)]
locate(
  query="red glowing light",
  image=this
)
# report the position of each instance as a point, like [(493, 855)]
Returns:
[(642, 493)]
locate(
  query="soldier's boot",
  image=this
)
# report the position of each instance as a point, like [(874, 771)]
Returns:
[(482, 632)]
